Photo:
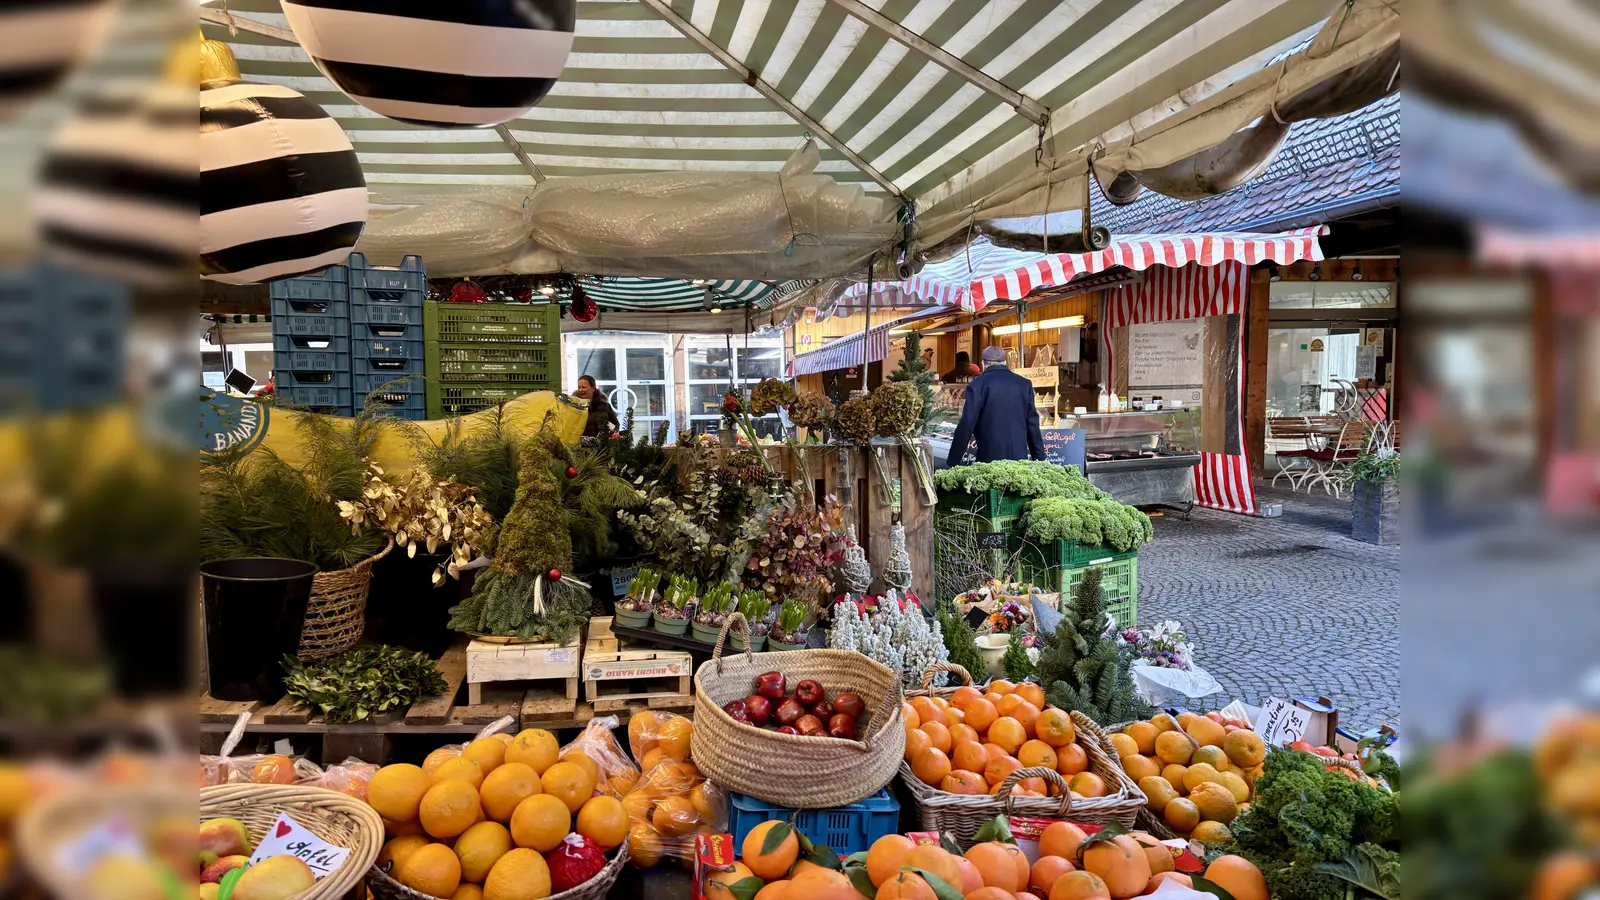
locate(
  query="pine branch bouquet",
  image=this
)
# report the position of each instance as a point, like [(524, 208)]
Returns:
[(1084, 669), (425, 511), (960, 641)]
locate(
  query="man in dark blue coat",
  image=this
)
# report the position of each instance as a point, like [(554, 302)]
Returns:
[(999, 413)]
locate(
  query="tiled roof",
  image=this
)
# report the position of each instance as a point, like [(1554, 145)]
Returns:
[(1323, 162)]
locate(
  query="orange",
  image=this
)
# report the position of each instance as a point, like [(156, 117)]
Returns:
[(931, 765), (1161, 878), (995, 865), (994, 752), (964, 695), (1165, 722), (1184, 718), (603, 821), (1174, 776), (643, 732), (885, 855), (488, 753), (274, 769), (997, 770), (719, 884), (674, 817), (1211, 833), (969, 755), (953, 716), (621, 783), (1031, 692), (449, 808), (644, 845), (1037, 753), (506, 787), (638, 805), (1027, 714), (909, 715), (927, 710), (1158, 792), (936, 861), (1008, 733), (1174, 747), (1206, 733), (1079, 886), (393, 829), (395, 791), (653, 757), (1144, 734), (1139, 767), (519, 875), (468, 891), (437, 757), (535, 748), (706, 805), (990, 893), (460, 769), (396, 851), (583, 761), (1061, 839), (938, 733), (1007, 703), (917, 741), (940, 702), (1182, 815), (432, 870), (1124, 744), (1055, 727), (993, 697), (1120, 862), (971, 878), (1088, 784), (904, 886), (675, 737), (962, 781), (769, 866), (1071, 759), (1244, 748), (1238, 876), (569, 783), (480, 847), (540, 822), (981, 714), (1001, 686), (961, 733), (777, 890)]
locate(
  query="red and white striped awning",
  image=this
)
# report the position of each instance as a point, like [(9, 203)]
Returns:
[(1139, 252), (845, 352), (1550, 250), (948, 283)]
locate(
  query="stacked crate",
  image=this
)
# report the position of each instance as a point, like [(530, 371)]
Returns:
[(342, 334), (62, 337), (480, 354)]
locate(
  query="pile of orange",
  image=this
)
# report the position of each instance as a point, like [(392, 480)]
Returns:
[(494, 806), (1197, 772), (671, 801), (971, 742)]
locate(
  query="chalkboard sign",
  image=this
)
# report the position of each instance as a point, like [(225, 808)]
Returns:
[(991, 540), (1063, 446)]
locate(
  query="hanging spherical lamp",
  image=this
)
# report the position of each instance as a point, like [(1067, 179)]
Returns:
[(44, 43), (281, 190), (467, 292), (583, 307), (468, 64)]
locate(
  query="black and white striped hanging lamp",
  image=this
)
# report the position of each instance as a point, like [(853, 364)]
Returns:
[(44, 42), (281, 190), (467, 64)]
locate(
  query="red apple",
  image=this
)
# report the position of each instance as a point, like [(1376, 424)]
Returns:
[(759, 708), (809, 692), (1229, 729), (810, 725), (738, 710), (771, 686), (823, 710), (849, 703), (1215, 716), (789, 710), (788, 729), (842, 726)]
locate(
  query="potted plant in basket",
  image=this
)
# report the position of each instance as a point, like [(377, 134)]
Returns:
[(716, 603), (672, 614), (757, 607), (1375, 495), (633, 611), (791, 630)]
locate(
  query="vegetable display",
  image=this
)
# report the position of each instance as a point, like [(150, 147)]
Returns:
[(1090, 522), (1025, 478)]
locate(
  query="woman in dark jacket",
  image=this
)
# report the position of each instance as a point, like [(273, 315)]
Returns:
[(602, 418)]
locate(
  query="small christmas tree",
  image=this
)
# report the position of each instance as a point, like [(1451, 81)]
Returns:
[(1016, 662), (897, 570), (961, 642), (1084, 670), (915, 371), (855, 573)]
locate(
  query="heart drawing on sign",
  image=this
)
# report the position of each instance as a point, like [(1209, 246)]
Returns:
[(283, 829)]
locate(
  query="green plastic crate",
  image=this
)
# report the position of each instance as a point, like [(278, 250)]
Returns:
[(1001, 509), (448, 399), (1062, 567), (504, 323), (536, 366)]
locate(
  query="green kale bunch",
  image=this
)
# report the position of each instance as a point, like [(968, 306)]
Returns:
[(1088, 522), (1024, 478)]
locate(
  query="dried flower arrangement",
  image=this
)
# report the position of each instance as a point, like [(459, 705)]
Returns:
[(424, 511), (814, 412), (800, 545)]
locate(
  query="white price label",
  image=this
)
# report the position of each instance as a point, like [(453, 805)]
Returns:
[(290, 838), (111, 836), (558, 657), (620, 579), (1281, 722)]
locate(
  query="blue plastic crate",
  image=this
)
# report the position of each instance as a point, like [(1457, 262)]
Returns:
[(362, 328), (378, 348), (844, 829), (387, 367), (332, 283), (316, 379), (311, 326), (411, 276), (309, 353), (62, 338), (390, 314), (318, 398)]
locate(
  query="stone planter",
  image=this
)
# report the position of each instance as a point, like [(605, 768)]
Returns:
[(1375, 511)]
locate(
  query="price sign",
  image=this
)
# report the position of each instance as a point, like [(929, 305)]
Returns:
[(992, 540), (620, 579), (1281, 722), (290, 838)]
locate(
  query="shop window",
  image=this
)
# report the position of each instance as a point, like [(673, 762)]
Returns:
[(1332, 295)]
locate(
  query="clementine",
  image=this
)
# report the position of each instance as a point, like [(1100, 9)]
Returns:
[(1031, 692), (931, 765), (1055, 727), (917, 741), (938, 733), (885, 855), (1071, 759), (1008, 733), (1037, 753), (981, 714)]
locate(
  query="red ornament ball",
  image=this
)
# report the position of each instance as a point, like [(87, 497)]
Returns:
[(467, 292), (572, 471), (554, 574), (574, 862)]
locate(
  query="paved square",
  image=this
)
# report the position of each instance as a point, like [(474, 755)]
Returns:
[(1284, 607)]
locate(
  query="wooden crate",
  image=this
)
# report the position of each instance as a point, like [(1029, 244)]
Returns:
[(542, 662), (659, 677), (601, 640)]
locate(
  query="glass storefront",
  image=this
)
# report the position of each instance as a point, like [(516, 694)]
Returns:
[(633, 370)]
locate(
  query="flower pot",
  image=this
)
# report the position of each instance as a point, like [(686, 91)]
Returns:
[(142, 611), (706, 633), (992, 647), (737, 642), (775, 644), (1375, 511), (254, 611), (670, 626), (627, 618)]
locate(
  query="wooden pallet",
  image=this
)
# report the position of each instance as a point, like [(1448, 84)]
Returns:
[(542, 662), (659, 677)]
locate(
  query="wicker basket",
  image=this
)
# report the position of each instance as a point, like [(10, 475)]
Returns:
[(961, 815), (337, 611), (59, 820), (335, 817), (792, 771), (384, 887)]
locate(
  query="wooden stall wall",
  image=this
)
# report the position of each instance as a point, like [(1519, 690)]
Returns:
[(1086, 305)]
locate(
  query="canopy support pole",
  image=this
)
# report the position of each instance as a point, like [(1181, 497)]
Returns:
[(771, 93), (1025, 106), (521, 154), (244, 23)]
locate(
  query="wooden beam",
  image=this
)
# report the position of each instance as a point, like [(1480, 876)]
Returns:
[(1025, 106), (1255, 372), (244, 23), (771, 93)]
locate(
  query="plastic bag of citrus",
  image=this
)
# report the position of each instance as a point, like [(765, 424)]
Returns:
[(671, 803), (655, 736), (614, 772), (283, 767), (349, 777)]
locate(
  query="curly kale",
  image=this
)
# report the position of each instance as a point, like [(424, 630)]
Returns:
[(1379, 764)]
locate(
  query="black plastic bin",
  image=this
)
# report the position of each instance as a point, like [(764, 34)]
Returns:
[(254, 608), (144, 614)]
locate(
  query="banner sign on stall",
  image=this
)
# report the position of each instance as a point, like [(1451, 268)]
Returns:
[(1281, 722)]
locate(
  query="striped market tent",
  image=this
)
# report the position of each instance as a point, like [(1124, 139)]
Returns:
[(677, 295)]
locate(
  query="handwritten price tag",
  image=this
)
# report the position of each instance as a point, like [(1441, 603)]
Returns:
[(991, 540), (1281, 722), (620, 579), (111, 836), (290, 838)]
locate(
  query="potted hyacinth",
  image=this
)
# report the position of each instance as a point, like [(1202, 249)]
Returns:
[(790, 632), (757, 609), (672, 613), (633, 611), (716, 603)]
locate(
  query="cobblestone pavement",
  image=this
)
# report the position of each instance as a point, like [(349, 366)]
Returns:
[(1290, 606)]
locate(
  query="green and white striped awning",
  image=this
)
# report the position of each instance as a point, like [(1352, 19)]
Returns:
[(678, 295)]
